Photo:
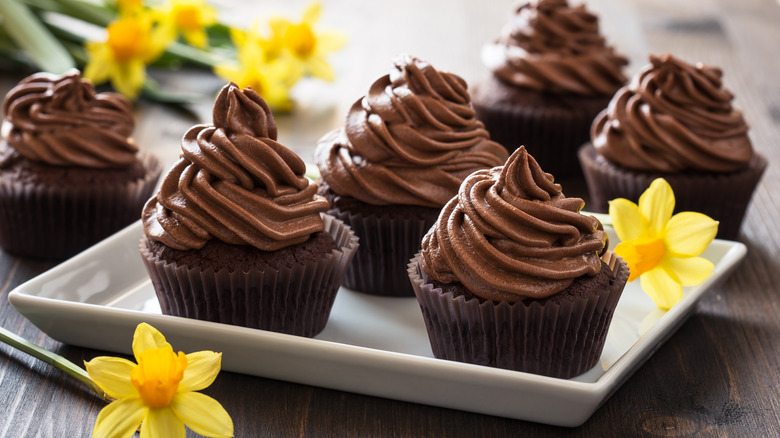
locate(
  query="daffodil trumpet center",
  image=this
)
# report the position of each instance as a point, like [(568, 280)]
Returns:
[(300, 40), (187, 17), (157, 375), (125, 38), (641, 254)]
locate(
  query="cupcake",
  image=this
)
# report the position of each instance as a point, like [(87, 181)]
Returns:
[(404, 150), (675, 121), (70, 175), (237, 233), (551, 74), (513, 276)]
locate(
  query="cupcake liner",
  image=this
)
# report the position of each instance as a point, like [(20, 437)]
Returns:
[(558, 339), (55, 222), (724, 197), (552, 134), (295, 300), (386, 245)]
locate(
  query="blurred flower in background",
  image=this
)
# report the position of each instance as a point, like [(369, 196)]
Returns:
[(307, 48), (190, 19), (272, 64), (258, 65), (117, 41), (132, 42)]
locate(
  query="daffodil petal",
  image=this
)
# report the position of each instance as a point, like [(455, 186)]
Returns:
[(320, 68), (228, 72), (159, 39), (112, 375), (330, 41), (312, 13), (279, 25), (162, 423), (657, 204), (197, 38), (238, 37), (626, 219), (120, 419), (202, 414), (285, 72), (278, 98), (202, 368), (98, 68), (689, 270), (661, 287), (145, 337), (689, 233), (97, 72), (129, 78), (208, 15)]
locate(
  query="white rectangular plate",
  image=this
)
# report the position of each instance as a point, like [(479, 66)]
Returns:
[(371, 345)]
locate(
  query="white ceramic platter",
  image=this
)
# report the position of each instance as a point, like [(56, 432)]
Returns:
[(371, 345)]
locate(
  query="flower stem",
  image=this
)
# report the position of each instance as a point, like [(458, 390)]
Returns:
[(58, 361)]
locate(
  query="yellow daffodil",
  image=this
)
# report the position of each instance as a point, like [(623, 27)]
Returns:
[(190, 18), (307, 47), (132, 42), (129, 6), (662, 250), (159, 391), (270, 77)]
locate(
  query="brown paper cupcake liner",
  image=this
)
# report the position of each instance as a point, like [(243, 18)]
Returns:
[(552, 134), (56, 222), (295, 300), (723, 197), (558, 339), (386, 245)]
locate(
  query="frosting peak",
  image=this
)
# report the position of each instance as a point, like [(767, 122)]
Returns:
[(410, 140), (61, 121), (422, 79), (236, 183), (672, 117), (552, 47), (512, 234), (237, 112)]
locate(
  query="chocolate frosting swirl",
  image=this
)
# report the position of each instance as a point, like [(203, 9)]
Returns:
[(236, 183), (60, 120), (672, 117), (551, 47), (411, 140), (511, 234)]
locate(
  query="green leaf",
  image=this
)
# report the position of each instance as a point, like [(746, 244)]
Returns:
[(34, 38), (193, 55)]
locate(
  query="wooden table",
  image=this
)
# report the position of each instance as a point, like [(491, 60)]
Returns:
[(718, 375)]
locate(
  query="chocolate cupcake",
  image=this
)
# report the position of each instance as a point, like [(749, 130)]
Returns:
[(513, 276), (404, 150), (70, 175), (551, 74), (237, 233), (675, 121)]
